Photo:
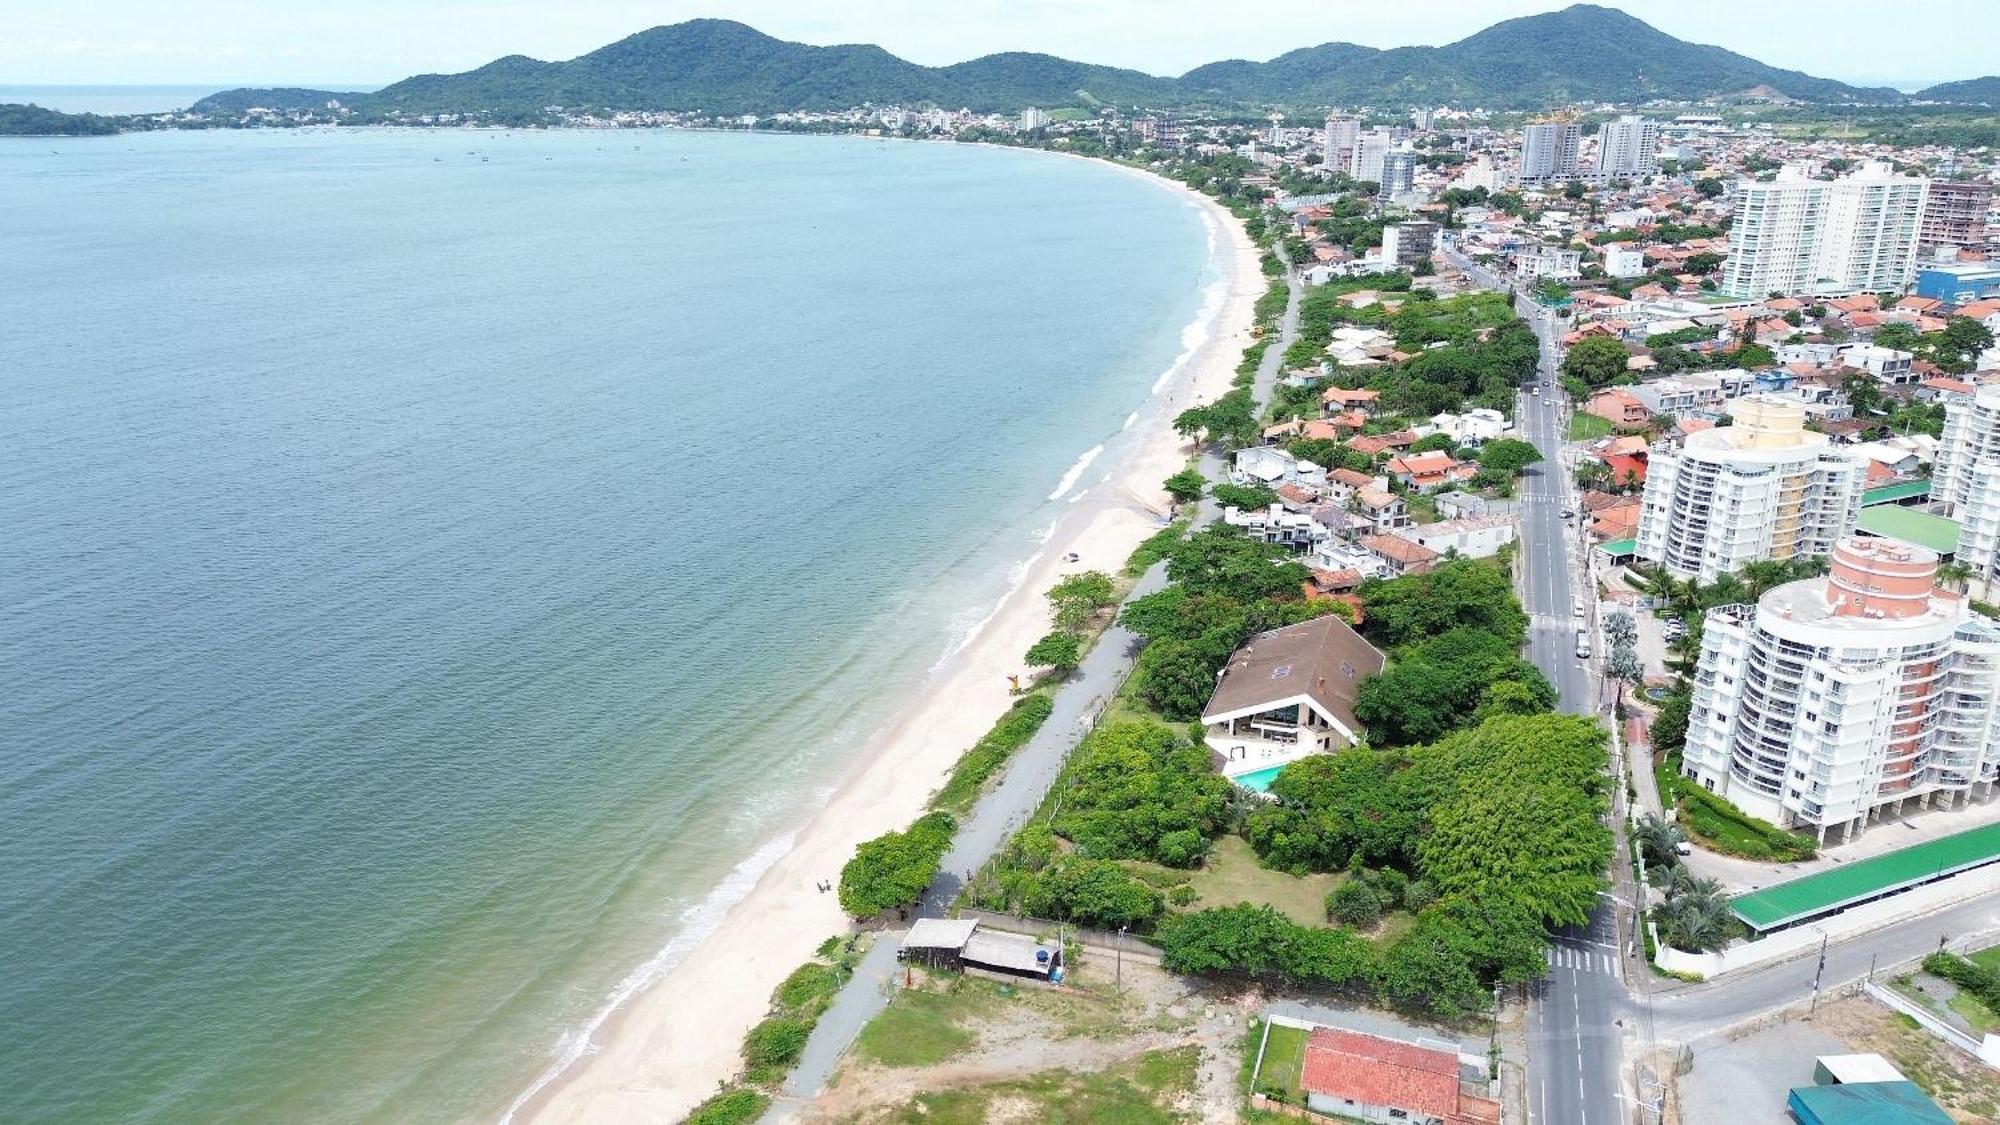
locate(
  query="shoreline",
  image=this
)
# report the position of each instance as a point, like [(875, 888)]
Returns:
[(659, 1046)]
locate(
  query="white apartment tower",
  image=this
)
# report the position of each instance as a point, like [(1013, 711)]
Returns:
[(1763, 488), (1966, 484), (1797, 233), (1835, 699), (1549, 151), (1342, 131), (1629, 146), (1371, 149), (1399, 172), (1869, 237)]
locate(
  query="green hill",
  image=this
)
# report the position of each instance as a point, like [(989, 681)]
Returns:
[(1978, 91), (1582, 53), (270, 97), (34, 121)]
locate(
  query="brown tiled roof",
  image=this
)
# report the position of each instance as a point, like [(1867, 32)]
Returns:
[(1399, 549), (1322, 658)]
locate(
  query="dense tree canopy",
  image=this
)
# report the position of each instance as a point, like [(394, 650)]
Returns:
[(894, 868), (1139, 790), (1437, 685), (1463, 592)]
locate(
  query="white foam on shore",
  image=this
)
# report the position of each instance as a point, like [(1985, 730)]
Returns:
[(1075, 473), (1129, 419), (1016, 575), (1197, 332), (697, 923)]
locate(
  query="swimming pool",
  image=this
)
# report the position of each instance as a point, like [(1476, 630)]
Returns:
[(1257, 781)]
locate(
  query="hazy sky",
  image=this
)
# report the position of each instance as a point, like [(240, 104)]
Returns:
[(372, 42)]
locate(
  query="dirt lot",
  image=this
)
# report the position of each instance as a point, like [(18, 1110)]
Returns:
[(1745, 1079), (967, 1049)]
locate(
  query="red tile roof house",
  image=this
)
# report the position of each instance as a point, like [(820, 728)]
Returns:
[(1377, 1079), (1380, 443), (1337, 400), (1427, 471), (1399, 555), (1620, 408)]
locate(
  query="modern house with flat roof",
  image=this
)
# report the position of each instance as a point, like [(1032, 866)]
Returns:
[(1289, 693)]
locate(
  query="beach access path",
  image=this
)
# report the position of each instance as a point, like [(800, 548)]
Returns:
[(1006, 807)]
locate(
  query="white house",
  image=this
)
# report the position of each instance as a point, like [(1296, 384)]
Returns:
[(1621, 260), (1476, 537), (1474, 427), (1289, 693)]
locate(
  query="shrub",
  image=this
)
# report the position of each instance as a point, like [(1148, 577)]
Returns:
[(1418, 895), (993, 749), (731, 1107), (1354, 903), (775, 1044)]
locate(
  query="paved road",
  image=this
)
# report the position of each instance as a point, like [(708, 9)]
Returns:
[(1026, 781), (1574, 1040)]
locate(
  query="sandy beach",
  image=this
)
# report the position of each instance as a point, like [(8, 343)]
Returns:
[(670, 1045)]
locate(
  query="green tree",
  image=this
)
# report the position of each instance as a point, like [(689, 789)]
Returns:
[(1077, 596), (895, 868), (1060, 650), (1899, 335), (1669, 729), (1508, 455), (1246, 497), (1708, 261), (1186, 486), (1094, 892), (1221, 559), (1708, 188), (1596, 361), (1462, 593), (1659, 842)]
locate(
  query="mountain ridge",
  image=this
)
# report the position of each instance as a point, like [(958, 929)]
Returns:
[(1580, 53)]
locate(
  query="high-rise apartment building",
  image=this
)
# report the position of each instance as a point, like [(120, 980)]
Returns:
[(1549, 151), (1342, 131), (1629, 146), (1371, 149), (1763, 488), (1869, 237), (1834, 699), (1955, 214), (1399, 171), (1797, 233), (1966, 483)]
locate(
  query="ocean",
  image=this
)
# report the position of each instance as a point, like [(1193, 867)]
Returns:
[(437, 568), (113, 99)]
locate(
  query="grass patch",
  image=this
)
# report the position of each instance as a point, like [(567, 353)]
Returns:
[(1976, 1015), (1284, 1063), (1156, 547), (1145, 1091), (1015, 728), (925, 1026), (1231, 875), (1589, 427), (1720, 826)]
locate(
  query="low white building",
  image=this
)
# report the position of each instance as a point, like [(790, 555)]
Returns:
[(1621, 260), (1552, 262), (1477, 537), (1274, 525), (1474, 427)]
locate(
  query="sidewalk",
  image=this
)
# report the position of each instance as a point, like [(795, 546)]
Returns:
[(1884, 836)]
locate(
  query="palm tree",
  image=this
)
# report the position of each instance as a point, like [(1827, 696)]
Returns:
[(1760, 577), (1727, 589), (1954, 574), (1658, 841)]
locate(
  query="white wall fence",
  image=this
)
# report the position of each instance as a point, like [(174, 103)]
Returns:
[(1786, 944), (1986, 1051)]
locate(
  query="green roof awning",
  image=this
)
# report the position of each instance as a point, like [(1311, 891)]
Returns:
[(1798, 900), (1865, 1103), (1921, 529), (1890, 493), (1618, 548)]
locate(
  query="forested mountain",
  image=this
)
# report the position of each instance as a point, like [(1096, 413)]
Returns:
[(282, 97), (1582, 53), (34, 121), (1981, 91)]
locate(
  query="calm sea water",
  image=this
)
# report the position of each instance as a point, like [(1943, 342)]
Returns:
[(111, 99), (431, 564)]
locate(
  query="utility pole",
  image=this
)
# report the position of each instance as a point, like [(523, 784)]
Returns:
[(1118, 953), (1817, 973)]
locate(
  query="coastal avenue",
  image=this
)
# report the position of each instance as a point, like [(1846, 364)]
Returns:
[(1007, 806), (1574, 1059)]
